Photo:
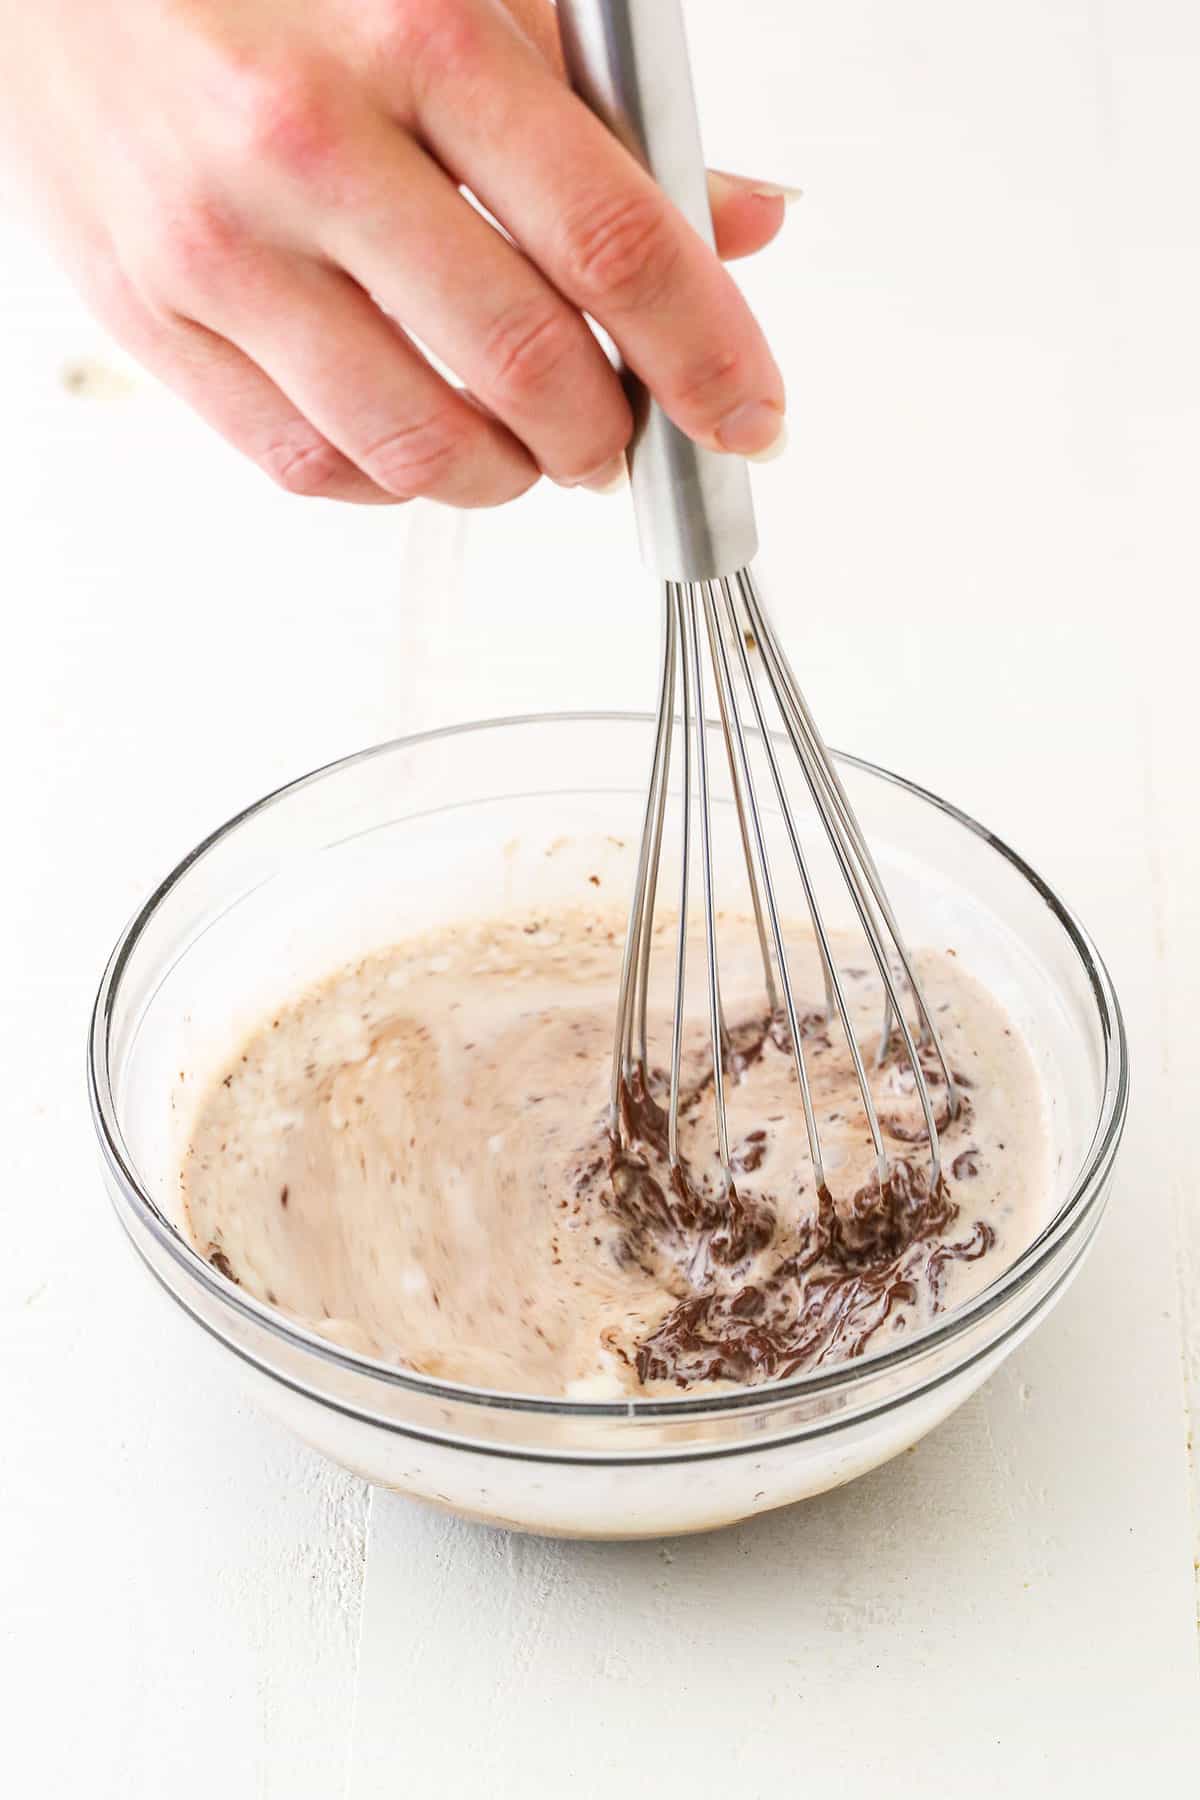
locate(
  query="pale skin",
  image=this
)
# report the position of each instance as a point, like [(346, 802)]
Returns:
[(261, 200)]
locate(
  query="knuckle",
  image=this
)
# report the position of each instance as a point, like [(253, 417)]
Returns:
[(283, 119), (705, 384), (302, 464), (528, 347), (414, 460), (438, 45), (622, 252), (193, 242)]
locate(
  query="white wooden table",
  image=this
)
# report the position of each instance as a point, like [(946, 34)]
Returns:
[(983, 547)]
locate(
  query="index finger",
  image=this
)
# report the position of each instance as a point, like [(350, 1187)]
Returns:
[(598, 226)]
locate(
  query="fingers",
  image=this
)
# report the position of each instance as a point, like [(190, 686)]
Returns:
[(237, 399), (484, 310), (746, 214), (269, 302), (340, 405), (366, 388), (599, 227)]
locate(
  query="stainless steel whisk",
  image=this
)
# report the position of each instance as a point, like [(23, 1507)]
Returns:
[(628, 60)]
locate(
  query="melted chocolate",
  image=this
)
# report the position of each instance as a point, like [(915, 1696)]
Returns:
[(697, 1219), (859, 1260), (858, 1263)]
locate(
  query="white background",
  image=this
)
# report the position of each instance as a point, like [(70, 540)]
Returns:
[(983, 549)]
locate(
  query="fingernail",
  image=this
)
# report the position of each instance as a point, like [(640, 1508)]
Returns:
[(756, 430), (775, 448), (761, 190), (606, 480)]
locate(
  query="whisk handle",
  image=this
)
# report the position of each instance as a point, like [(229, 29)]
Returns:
[(628, 61)]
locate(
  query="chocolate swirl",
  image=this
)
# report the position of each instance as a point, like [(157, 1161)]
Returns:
[(859, 1262)]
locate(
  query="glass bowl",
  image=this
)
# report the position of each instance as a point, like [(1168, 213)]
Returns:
[(494, 817)]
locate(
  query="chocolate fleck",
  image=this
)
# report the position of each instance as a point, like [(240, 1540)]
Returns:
[(222, 1264)]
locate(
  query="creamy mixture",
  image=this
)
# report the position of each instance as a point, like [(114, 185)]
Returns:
[(414, 1159)]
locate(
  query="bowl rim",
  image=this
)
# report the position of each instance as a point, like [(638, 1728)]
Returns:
[(1086, 1188)]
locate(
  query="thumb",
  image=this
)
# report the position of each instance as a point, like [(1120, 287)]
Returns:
[(746, 213)]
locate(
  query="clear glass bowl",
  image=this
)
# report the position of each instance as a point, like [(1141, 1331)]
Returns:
[(527, 812)]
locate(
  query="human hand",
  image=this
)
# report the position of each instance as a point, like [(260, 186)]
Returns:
[(261, 200)]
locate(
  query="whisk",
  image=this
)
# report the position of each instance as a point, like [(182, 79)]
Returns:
[(628, 60)]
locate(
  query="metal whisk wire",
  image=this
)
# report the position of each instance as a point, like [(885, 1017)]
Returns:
[(628, 62), (734, 618)]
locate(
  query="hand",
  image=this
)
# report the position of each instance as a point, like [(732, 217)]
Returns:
[(261, 200)]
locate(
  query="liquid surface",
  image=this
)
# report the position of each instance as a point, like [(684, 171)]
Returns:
[(414, 1160)]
